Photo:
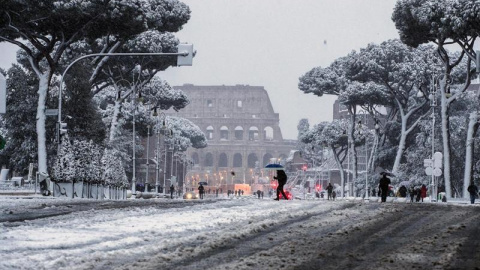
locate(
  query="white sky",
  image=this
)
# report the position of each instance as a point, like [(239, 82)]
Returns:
[(272, 43)]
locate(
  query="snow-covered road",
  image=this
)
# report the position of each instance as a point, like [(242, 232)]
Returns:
[(242, 233)]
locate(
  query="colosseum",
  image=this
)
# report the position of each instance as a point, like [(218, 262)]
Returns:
[(242, 130)]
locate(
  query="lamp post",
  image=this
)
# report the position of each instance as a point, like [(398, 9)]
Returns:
[(134, 181), (148, 158), (169, 134), (366, 153), (157, 156), (433, 103), (377, 131)]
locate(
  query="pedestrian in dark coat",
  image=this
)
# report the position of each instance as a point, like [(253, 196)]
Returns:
[(473, 190), (383, 186), (201, 191), (258, 193), (282, 180), (412, 193), (172, 190), (329, 191)]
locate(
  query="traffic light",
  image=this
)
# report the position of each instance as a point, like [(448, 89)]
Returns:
[(61, 130), (185, 60), (304, 168)]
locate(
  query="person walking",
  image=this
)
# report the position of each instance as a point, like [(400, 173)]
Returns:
[(282, 180), (473, 190), (201, 190), (423, 192), (383, 186), (412, 193), (172, 190), (329, 191)]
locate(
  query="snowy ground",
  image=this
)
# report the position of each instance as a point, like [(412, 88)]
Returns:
[(244, 233)]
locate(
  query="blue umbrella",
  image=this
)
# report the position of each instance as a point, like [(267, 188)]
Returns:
[(274, 166)]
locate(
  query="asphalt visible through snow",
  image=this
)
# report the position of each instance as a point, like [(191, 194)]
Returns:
[(363, 236), (344, 235)]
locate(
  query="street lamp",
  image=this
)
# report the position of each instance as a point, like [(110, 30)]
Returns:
[(134, 181), (148, 158), (169, 134), (159, 129), (433, 102)]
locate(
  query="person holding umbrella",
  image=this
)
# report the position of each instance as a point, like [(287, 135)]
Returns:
[(384, 185), (282, 180)]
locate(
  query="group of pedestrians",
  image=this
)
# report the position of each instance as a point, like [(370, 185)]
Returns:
[(384, 188)]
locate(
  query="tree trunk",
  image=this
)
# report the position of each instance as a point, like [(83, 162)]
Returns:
[(340, 169), (445, 139), (472, 128), (401, 145), (353, 151), (41, 138), (114, 123)]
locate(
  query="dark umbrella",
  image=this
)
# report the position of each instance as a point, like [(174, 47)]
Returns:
[(387, 173), (274, 167), (203, 183)]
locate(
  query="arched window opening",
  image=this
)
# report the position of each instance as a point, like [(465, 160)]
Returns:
[(209, 160), (253, 134), (209, 133), (224, 133), (268, 133), (238, 133), (223, 160), (237, 160)]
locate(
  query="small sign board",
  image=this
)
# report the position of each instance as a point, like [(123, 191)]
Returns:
[(427, 163), (173, 180), (437, 157), (51, 112), (437, 172), (428, 170)]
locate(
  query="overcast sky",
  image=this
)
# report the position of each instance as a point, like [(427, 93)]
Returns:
[(272, 43)]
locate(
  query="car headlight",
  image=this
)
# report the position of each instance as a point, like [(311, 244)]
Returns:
[(189, 196)]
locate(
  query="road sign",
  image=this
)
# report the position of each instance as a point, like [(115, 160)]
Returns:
[(173, 180), (51, 112), (427, 162), (428, 170), (437, 157), (437, 172)]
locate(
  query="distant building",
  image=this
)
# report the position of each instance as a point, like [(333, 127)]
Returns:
[(242, 130)]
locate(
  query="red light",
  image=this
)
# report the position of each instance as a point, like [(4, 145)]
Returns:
[(304, 167)]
